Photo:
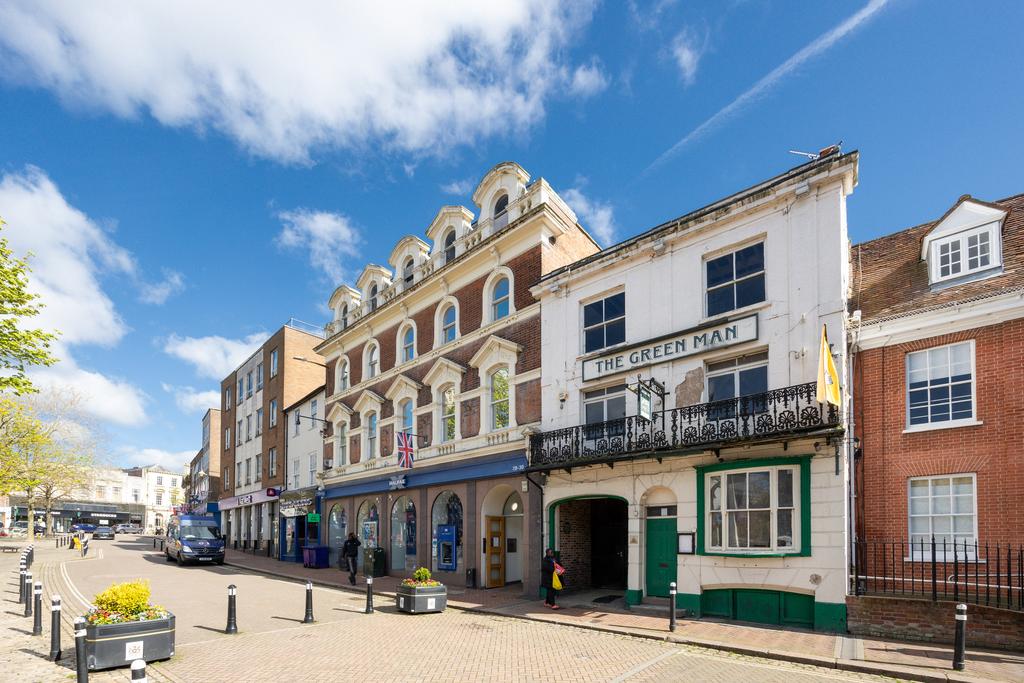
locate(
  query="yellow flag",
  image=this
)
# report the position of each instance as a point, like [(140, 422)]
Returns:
[(828, 379)]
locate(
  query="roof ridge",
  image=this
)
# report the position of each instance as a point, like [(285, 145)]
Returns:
[(936, 220)]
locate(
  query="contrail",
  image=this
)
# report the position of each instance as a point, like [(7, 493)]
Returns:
[(809, 51)]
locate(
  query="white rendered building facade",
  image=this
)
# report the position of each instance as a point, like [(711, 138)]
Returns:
[(679, 409)]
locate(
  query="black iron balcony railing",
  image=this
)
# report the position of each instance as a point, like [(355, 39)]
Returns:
[(777, 413)]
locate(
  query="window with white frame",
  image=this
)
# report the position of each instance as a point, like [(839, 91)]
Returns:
[(372, 360), (448, 413), (295, 473), (259, 467), (500, 299), (448, 324), (248, 384), (248, 427), (312, 413), (405, 410), (344, 316), (967, 252), (603, 412), (159, 480), (604, 322), (312, 469), (499, 399), (746, 376), (259, 421), (341, 444), (341, 376), (371, 435), (408, 270), (241, 390), (227, 479), (259, 376), (248, 470), (449, 247), (238, 436), (227, 398), (940, 385), (238, 473), (272, 462), (754, 510), (273, 363), (159, 498), (735, 280), (408, 344), (227, 438), (273, 412), (943, 507), (373, 297)]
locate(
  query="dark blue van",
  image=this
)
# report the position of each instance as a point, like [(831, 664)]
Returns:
[(194, 538)]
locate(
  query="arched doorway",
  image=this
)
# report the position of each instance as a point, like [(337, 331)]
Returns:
[(368, 524), (504, 546), (446, 532), (403, 535), (590, 534), (337, 530), (660, 541)]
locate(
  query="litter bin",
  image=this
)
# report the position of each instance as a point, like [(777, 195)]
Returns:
[(373, 562), (315, 556), (471, 577)]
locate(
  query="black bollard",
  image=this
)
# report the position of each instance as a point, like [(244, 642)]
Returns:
[(28, 594), (672, 606), (369, 595), (308, 619), (21, 582), (139, 671), (37, 610), (81, 664), (232, 626), (154, 543), (960, 639), (55, 629)]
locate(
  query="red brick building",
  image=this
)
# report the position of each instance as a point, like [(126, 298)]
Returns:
[(938, 405)]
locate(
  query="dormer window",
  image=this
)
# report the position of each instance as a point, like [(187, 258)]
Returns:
[(964, 253), (407, 271), (449, 247), (344, 316), (501, 206), (373, 297), (965, 243)]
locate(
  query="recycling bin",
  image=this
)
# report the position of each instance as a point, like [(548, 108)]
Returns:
[(315, 556), (373, 562)]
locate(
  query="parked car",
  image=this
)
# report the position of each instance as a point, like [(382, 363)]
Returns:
[(84, 527), (21, 527), (128, 529), (104, 532)]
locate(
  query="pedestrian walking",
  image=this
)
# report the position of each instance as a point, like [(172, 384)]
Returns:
[(550, 575), (349, 553)]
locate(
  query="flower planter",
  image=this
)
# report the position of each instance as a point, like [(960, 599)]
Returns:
[(112, 645), (421, 599)]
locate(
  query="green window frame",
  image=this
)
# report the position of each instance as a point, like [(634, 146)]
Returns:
[(804, 464)]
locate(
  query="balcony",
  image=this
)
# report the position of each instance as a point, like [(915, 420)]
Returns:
[(770, 416)]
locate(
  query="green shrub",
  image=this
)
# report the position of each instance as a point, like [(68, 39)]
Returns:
[(421, 574), (129, 599)]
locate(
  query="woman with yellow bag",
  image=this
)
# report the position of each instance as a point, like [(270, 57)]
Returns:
[(550, 575)]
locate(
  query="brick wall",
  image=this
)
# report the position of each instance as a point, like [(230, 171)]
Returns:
[(574, 542), (470, 418), (992, 450), (528, 402), (227, 455), (923, 620)]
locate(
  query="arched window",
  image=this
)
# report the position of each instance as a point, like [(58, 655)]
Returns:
[(371, 435), (499, 399), (408, 344), (403, 535), (373, 297), (407, 271), (449, 247), (448, 326), (500, 299), (372, 360), (501, 206), (368, 524), (406, 412), (341, 376), (448, 413), (337, 529), (344, 316), (513, 505), (446, 534)]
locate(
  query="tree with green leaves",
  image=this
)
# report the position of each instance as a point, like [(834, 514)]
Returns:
[(20, 347)]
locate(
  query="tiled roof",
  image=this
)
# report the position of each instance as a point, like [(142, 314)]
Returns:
[(890, 279)]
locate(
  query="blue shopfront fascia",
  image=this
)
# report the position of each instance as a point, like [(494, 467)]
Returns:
[(495, 466)]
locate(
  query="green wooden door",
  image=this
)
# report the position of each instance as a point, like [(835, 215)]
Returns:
[(661, 556)]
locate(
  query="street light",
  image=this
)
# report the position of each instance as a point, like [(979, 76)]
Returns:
[(306, 360)]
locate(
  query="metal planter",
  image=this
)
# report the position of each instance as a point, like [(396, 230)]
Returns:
[(421, 600), (112, 645)]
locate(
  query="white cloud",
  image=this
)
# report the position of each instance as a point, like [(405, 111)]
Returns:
[(110, 399), (190, 400), (458, 187), (282, 82), (597, 217), (327, 236), (172, 460), (157, 293), (687, 49), (213, 357), (816, 47), (588, 79)]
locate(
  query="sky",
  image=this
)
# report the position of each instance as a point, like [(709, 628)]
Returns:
[(189, 177)]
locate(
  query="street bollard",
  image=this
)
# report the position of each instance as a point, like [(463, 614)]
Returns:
[(232, 626), (28, 594), (308, 619), (139, 671), (369, 595), (960, 639), (672, 606), (37, 610), (154, 543), (21, 582), (81, 665), (55, 629)]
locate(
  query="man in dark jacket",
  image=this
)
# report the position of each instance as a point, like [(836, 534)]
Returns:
[(547, 572), (349, 553)]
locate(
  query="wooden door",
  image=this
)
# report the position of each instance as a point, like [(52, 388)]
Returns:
[(661, 555), (495, 556)]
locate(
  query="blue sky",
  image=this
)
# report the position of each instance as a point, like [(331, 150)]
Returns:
[(189, 184)]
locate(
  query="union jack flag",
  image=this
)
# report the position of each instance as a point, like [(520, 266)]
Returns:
[(406, 450)]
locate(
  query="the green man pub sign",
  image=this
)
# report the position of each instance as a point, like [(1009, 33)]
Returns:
[(670, 347)]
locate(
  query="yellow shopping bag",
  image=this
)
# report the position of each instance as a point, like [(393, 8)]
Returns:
[(556, 583)]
